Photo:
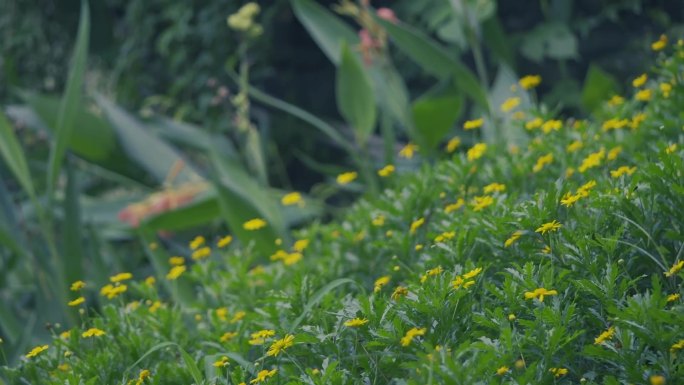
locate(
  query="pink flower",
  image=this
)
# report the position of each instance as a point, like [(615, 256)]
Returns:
[(387, 14)]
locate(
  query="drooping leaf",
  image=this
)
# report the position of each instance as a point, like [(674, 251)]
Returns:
[(355, 98), (14, 157), (435, 115)]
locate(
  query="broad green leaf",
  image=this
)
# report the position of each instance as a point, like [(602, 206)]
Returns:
[(153, 154), (327, 30), (14, 157), (497, 41), (598, 87), (355, 99), (71, 100), (200, 211), (435, 116)]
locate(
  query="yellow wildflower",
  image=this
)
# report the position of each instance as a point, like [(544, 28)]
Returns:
[(197, 242), (347, 177), (472, 273), (671, 148), (476, 152), (380, 282), (111, 291), (453, 144), (675, 269), (175, 272), (416, 224), (539, 293), (673, 297), (454, 206), (408, 150), (149, 281), (291, 199), (614, 124), (665, 88), (386, 171), (605, 336), (502, 370), (551, 125), (356, 322), (636, 120), (238, 316), (542, 161), (280, 345), (224, 241), (570, 199), (176, 261), (548, 227), (640, 81), (292, 258), (222, 313), (300, 245), (657, 379), (77, 301), (592, 160), (616, 100), (201, 253), (227, 336), (473, 124), (534, 123), (254, 224), (482, 202), (263, 375), (622, 170), (378, 220), (514, 237), (445, 236), (529, 81), (399, 291), (411, 334), (221, 362), (259, 338), (144, 374), (418, 247), (659, 44), (518, 115), (643, 95), (36, 351), (558, 372), (93, 332), (494, 187), (677, 346), (78, 285), (120, 277), (574, 146), (510, 104)]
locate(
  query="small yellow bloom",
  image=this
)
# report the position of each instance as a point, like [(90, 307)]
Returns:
[(224, 241), (300, 245), (201, 253), (592, 160), (482, 202), (418, 247), (529, 81), (534, 123), (280, 345), (574, 146), (514, 237), (291, 199), (378, 220), (197, 242), (222, 313), (453, 144), (542, 161), (623, 170), (292, 258), (502, 370), (432, 272), (36, 351), (659, 44), (657, 380), (476, 152), (558, 372), (673, 297), (386, 171), (671, 148), (616, 100), (176, 261), (347, 177), (454, 206), (254, 224), (411, 334), (605, 336), (144, 374), (93, 332), (399, 292), (408, 151), (512, 317), (221, 362), (415, 225), (643, 95), (111, 291), (570, 199), (640, 81), (77, 301), (120, 277), (675, 269), (473, 124), (472, 273), (259, 338), (176, 272), (238, 316), (677, 346), (510, 104), (149, 281), (548, 227), (551, 125), (227, 336), (356, 322), (494, 187), (539, 293), (263, 375), (665, 88), (78, 285), (445, 236), (380, 282)]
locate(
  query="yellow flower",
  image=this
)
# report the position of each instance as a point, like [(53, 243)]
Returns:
[(221, 362), (280, 345), (445, 236), (673, 297), (551, 125), (145, 373), (473, 124), (224, 241), (380, 282), (529, 81), (542, 161), (675, 269), (502, 370), (539, 293), (548, 227), (482, 202), (558, 372), (659, 44), (640, 81), (454, 206), (534, 123), (254, 224), (197, 242), (512, 317), (300, 245), (574, 146), (585, 188), (227, 336), (386, 171), (472, 273), (36, 351), (77, 301), (408, 151), (411, 334), (78, 285), (518, 115), (416, 224), (111, 291), (176, 261), (614, 124), (453, 144), (616, 100), (665, 88), (347, 177), (476, 152), (677, 346), (292, 258), (494, 187), (399, 292), (657, 380), (671, 148), (605, 336), (643, 95), (175, 272), (222, 313), (592, 160), (149, 281), (570, 199), (259, 338), (514, 237), (201, 253), (292, 198), (622, 171), (356, 322), (120, 277), (378, 221), (418, 247), (263, 375), (93, 332), (238, 316), (432, 272), (510, 104)]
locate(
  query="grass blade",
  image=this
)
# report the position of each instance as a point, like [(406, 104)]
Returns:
[(14, 157), (73, 249), (317, 298)]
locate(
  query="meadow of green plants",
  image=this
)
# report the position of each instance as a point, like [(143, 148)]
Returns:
[(485, 230)]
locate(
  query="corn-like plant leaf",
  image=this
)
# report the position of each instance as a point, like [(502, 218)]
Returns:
[(14, 157), (355, 98)]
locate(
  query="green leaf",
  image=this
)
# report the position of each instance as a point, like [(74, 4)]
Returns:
[(14, 157), (434, 59), (598, 87), (200, 211), (355, 98), (327, 30), (71, 100), (435, 116), (73, 250), (497, 41), (151, 153), (317, 298)]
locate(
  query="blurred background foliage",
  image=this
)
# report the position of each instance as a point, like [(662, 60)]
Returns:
[(150, 121)]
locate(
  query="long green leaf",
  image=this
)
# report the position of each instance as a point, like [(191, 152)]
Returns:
[(200, 211), (14, 157), (71, 99), (435, 116), (73, 249), (355, 98), (327, 30), (316, 299)]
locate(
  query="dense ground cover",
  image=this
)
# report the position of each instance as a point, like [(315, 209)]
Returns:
[(559, 261)]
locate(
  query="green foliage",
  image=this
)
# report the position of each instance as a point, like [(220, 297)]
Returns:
[(355, 98)]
